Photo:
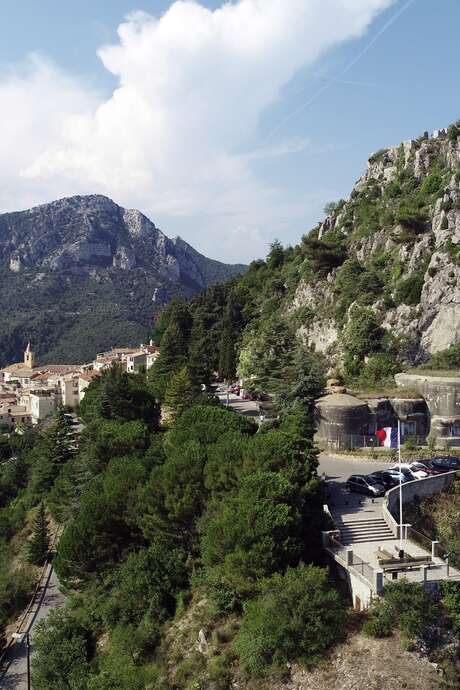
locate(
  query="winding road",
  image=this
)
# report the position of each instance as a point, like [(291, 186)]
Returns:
[(13, 674)]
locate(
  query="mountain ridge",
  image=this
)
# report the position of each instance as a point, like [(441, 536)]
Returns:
[(79, 254)]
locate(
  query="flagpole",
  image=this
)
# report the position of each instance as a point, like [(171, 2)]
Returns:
[(401, 549)]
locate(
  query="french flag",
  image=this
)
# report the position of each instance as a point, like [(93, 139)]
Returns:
[(388, 437)]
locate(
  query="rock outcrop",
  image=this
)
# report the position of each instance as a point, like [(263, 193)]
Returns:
[(84, 263), (403, 217)]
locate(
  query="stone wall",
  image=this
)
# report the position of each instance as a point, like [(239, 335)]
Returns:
[(442, 396), (418, 488)]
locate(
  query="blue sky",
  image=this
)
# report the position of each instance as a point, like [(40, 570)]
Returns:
[(229, 178)]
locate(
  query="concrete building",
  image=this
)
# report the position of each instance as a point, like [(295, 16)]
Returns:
[(442, 396), (42, 404), (84, 380), (67, 387), (135, 361), (14, 415), (145, 356), (341, 421), (344, 421)]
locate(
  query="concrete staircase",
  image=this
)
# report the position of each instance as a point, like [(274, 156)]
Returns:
[(365, 530)]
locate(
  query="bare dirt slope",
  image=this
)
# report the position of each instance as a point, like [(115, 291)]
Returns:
[(362, 663)]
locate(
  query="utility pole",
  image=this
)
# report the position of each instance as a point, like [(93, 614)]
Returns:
[(401, 543), (28, 659)]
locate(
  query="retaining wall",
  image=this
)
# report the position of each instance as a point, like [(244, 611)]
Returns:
[(418, 488)]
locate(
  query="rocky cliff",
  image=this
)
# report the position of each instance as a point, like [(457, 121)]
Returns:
[(82, 273), (392, 247)]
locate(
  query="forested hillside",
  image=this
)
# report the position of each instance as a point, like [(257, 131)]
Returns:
[(373, 288), (191, 553), (208, 513)]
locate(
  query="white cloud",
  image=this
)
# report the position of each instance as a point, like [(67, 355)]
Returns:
[(192, 86)]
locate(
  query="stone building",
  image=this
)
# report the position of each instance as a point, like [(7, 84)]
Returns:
[(442, 396), (344, 421)]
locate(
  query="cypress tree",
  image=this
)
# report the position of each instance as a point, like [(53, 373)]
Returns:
[(179, 395), (39, 544)]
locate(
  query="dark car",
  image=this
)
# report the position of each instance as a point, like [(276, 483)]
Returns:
[(384, 478), (446, 463), (395, 475), (365, 485)]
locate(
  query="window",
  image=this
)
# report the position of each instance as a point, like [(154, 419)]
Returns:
[(408, 429), (455, 429)]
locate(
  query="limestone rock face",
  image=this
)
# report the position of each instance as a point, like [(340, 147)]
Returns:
[(93, 231), (93, 266), (424, 248)]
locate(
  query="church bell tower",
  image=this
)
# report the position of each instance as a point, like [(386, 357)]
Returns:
[(29, 358)]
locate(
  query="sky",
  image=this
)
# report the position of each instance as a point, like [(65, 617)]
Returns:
[(229, 124)]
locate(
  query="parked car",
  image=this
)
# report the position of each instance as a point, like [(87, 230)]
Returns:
[(417, 472), (365, 485), (446, 463), (425, 466), (404, 476), (386, 479)]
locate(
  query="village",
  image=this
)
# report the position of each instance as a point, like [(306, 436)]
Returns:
[(29, 393)]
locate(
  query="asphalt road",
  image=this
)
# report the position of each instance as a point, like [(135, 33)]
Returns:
[(340, 470), (336, 474), (15, 675), (248, 408)]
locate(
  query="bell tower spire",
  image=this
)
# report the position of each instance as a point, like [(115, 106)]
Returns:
[(29, 357)]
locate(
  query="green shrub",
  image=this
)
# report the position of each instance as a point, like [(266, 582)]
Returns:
[(297, 616), (430, 185), (380, 623), (62, 651), (454, 251), (378, 156), (323, 256), (446, 359), (453, 131), (405, 605), (409, 290), (362, 336), (450, 592), (410, 443), (380, 367), (412, 219)]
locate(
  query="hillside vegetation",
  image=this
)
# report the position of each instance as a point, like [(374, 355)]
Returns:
[(191, 551), (373, 288)]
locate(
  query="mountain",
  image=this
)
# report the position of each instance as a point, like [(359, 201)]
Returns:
[(80, 274), (373, 289)]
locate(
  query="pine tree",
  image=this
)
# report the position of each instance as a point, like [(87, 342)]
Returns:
[(179, 395), (105, 409), (173, 348), (62, 439), (39, 544), (227, 359)]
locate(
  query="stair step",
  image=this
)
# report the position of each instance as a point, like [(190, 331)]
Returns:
[(373, 521), (365, 524), (346, 542), (365, 529)]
